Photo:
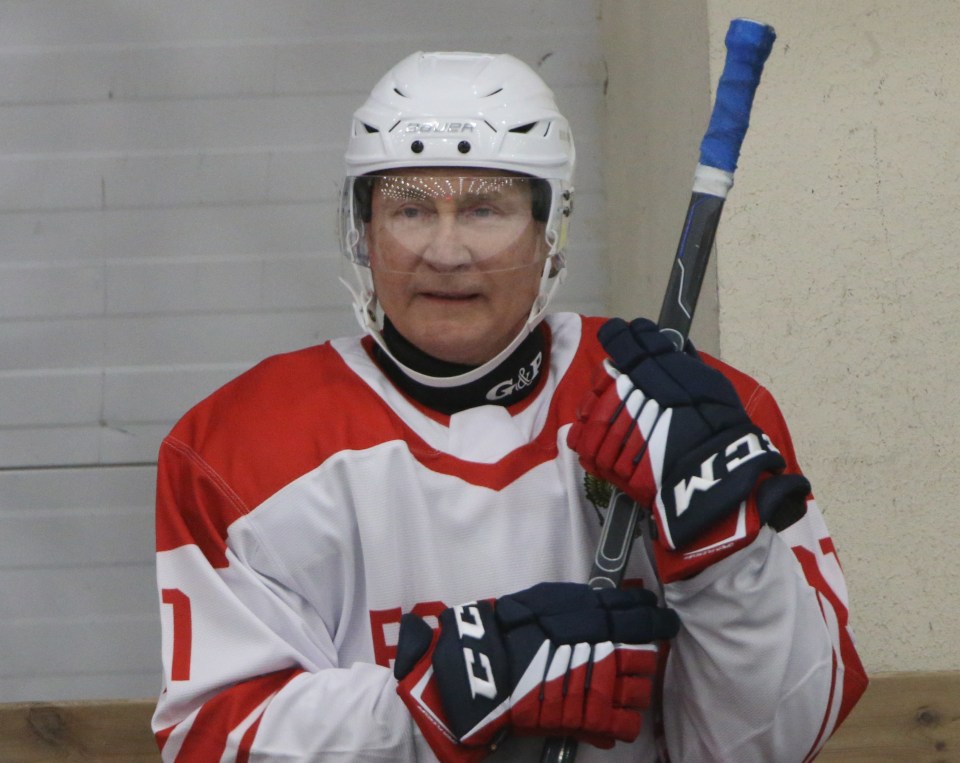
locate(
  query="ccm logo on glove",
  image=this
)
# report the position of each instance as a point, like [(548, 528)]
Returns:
[(740, 451), (472, 627)]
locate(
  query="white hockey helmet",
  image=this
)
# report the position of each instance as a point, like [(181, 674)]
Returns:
[(455, 109)]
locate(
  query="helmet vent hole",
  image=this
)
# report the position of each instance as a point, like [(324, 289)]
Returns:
[(370, 128), (524, 129), (399, 92), (498, 90)]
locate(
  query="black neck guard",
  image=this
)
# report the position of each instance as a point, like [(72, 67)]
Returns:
[(508, 383)]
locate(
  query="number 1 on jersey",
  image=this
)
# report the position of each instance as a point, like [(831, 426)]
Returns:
[(182, 632)]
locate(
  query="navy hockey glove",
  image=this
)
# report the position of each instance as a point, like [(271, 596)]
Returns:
[(671, 432), (556, 659)]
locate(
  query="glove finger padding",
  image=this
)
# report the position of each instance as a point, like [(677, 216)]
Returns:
[(555, 659), (612, 436), (642, 352)]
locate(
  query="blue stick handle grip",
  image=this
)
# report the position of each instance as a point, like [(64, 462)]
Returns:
[(748, 45)]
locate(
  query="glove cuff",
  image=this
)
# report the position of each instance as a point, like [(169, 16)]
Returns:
[(778, 500), (417, 688), (457, 686), (734, 531)]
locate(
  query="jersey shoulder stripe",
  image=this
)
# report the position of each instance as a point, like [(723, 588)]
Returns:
[(254, 435)]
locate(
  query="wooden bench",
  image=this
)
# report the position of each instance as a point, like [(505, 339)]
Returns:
[(903, 718)]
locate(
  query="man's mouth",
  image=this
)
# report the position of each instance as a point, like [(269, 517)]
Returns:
[(450, 296)]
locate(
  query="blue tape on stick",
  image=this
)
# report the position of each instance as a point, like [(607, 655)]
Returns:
[(748, 45)]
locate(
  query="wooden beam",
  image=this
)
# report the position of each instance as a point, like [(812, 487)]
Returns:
[(911, 717), (100, 731), (902, 717)]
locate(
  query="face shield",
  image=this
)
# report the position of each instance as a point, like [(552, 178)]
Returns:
[(446, 229)]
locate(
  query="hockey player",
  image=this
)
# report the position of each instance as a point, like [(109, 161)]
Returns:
[(373, 549)]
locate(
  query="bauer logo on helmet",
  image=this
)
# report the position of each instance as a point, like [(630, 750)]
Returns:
[(436, 127)]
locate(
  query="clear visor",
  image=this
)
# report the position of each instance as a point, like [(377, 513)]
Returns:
[(405, 223)]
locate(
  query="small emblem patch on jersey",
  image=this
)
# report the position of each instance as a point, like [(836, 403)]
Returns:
[(598, 491)]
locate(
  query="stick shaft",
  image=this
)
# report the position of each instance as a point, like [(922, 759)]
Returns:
[(748, 46), (689, 267)]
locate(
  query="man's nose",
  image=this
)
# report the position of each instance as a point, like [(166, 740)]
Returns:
[(447, 249)]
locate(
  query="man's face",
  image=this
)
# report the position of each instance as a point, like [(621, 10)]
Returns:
[(456, 258)]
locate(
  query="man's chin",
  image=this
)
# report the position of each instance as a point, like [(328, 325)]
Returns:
[(469, 337)]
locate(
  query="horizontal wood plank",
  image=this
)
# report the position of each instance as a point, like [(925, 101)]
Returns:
[(902, 718), (102, 731), (911, 717)]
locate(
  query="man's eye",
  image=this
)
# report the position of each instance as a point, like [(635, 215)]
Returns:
[(409, 212)]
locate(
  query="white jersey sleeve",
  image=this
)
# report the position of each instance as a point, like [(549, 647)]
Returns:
[(246, 657), (765, 666)]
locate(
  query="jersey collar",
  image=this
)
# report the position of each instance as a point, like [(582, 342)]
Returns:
[(510, 382)]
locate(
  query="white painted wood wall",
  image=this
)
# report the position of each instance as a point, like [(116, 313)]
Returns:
[(168, 181)]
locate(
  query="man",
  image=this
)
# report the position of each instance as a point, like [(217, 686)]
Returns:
[(374, 549)]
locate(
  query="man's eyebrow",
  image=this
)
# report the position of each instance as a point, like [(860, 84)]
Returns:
[(482, 195)]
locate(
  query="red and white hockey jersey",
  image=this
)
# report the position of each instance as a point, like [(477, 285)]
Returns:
[(303, 507)]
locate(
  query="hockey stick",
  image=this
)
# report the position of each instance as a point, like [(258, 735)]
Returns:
[(748, 46)]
